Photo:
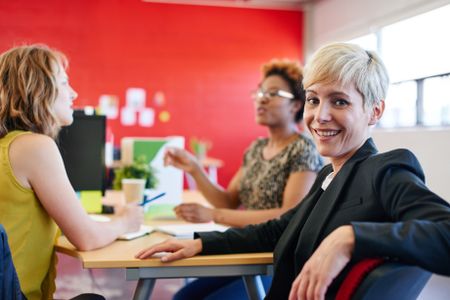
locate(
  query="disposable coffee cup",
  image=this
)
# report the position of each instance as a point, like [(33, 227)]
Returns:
[(133, 189)]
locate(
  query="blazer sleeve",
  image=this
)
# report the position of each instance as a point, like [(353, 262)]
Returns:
[(256, 238), (252, 238), (419, 233)]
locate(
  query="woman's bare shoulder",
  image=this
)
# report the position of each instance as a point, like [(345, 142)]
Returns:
[(30, 155), (33, 141), (32, 146)]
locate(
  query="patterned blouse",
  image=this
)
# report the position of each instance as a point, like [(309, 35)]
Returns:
[(263, 181)]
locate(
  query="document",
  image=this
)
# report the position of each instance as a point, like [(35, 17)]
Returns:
[(145, 229), (186, 231), (181, 231)]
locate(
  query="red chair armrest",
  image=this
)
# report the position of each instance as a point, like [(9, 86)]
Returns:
[(356, 276)]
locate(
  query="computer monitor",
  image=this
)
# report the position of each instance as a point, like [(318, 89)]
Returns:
[(82, 146)]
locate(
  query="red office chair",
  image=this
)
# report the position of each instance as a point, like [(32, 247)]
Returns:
[(374, 279)]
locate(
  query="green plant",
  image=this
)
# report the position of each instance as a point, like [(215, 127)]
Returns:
[(200, 147), (139, 169)]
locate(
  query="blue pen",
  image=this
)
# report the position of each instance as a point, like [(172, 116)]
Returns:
[(146, 201)]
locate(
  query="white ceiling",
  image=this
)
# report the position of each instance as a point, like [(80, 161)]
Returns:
[(268, 4)]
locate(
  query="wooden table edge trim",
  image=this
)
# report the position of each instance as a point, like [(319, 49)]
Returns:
[(265, 258)]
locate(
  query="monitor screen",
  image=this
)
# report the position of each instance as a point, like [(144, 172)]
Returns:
[(82, 146)]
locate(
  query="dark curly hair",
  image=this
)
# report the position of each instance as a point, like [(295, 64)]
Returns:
[(292, 73)]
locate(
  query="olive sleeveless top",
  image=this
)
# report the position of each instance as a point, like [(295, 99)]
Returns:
[(31, 231)]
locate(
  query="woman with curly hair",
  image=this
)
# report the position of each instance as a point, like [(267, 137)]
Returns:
[(276, 173)]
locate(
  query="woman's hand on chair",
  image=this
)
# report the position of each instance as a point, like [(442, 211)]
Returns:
[(324, 265)]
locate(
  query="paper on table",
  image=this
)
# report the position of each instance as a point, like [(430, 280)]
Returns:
[(186, 231), (100, 218), (145, 229)]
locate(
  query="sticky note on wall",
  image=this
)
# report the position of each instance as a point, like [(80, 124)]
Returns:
[(91, 201)]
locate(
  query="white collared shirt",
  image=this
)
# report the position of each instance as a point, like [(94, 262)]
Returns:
[(327, 181)]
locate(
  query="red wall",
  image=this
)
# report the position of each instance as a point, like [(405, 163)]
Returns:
[(205, 59)]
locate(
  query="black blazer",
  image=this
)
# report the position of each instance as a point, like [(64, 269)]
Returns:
[(384, 198)]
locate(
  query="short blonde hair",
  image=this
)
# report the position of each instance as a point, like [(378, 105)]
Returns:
[(292, 72), (348, 63), (28, 89)]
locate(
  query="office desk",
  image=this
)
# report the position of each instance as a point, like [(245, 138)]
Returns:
[(120, 254)]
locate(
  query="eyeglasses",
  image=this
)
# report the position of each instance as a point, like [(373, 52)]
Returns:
[(271, 95)]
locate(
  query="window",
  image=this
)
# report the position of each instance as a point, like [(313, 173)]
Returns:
[(368, 42), (416, 54), (400, 109), (436, 101), (417, 47)]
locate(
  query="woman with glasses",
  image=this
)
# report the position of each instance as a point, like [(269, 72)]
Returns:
[(276, 173), (364, 204)]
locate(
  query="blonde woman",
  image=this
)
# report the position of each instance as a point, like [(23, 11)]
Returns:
[(276, 173), (363, 205)]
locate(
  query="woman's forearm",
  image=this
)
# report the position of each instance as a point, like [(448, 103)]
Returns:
[(241, 218), (214, 193)]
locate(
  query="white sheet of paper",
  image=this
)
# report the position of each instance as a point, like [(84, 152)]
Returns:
[(145, 229), (186, 231)]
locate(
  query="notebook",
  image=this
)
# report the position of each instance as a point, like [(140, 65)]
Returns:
[(100, 218), (145, 229), (186, 231)]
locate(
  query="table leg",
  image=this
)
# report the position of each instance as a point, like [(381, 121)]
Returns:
[(144, 289), (254, 287), (212, 172), (190, 182)]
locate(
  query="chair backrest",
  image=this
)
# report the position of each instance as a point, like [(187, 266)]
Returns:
[(383, 280), (9, 282)]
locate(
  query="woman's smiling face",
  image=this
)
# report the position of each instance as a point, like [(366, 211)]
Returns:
[(337, 119)]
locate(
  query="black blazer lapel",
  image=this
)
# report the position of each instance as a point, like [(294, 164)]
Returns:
[(291, 232), (303, 209), (309, 237), (284, 254)]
